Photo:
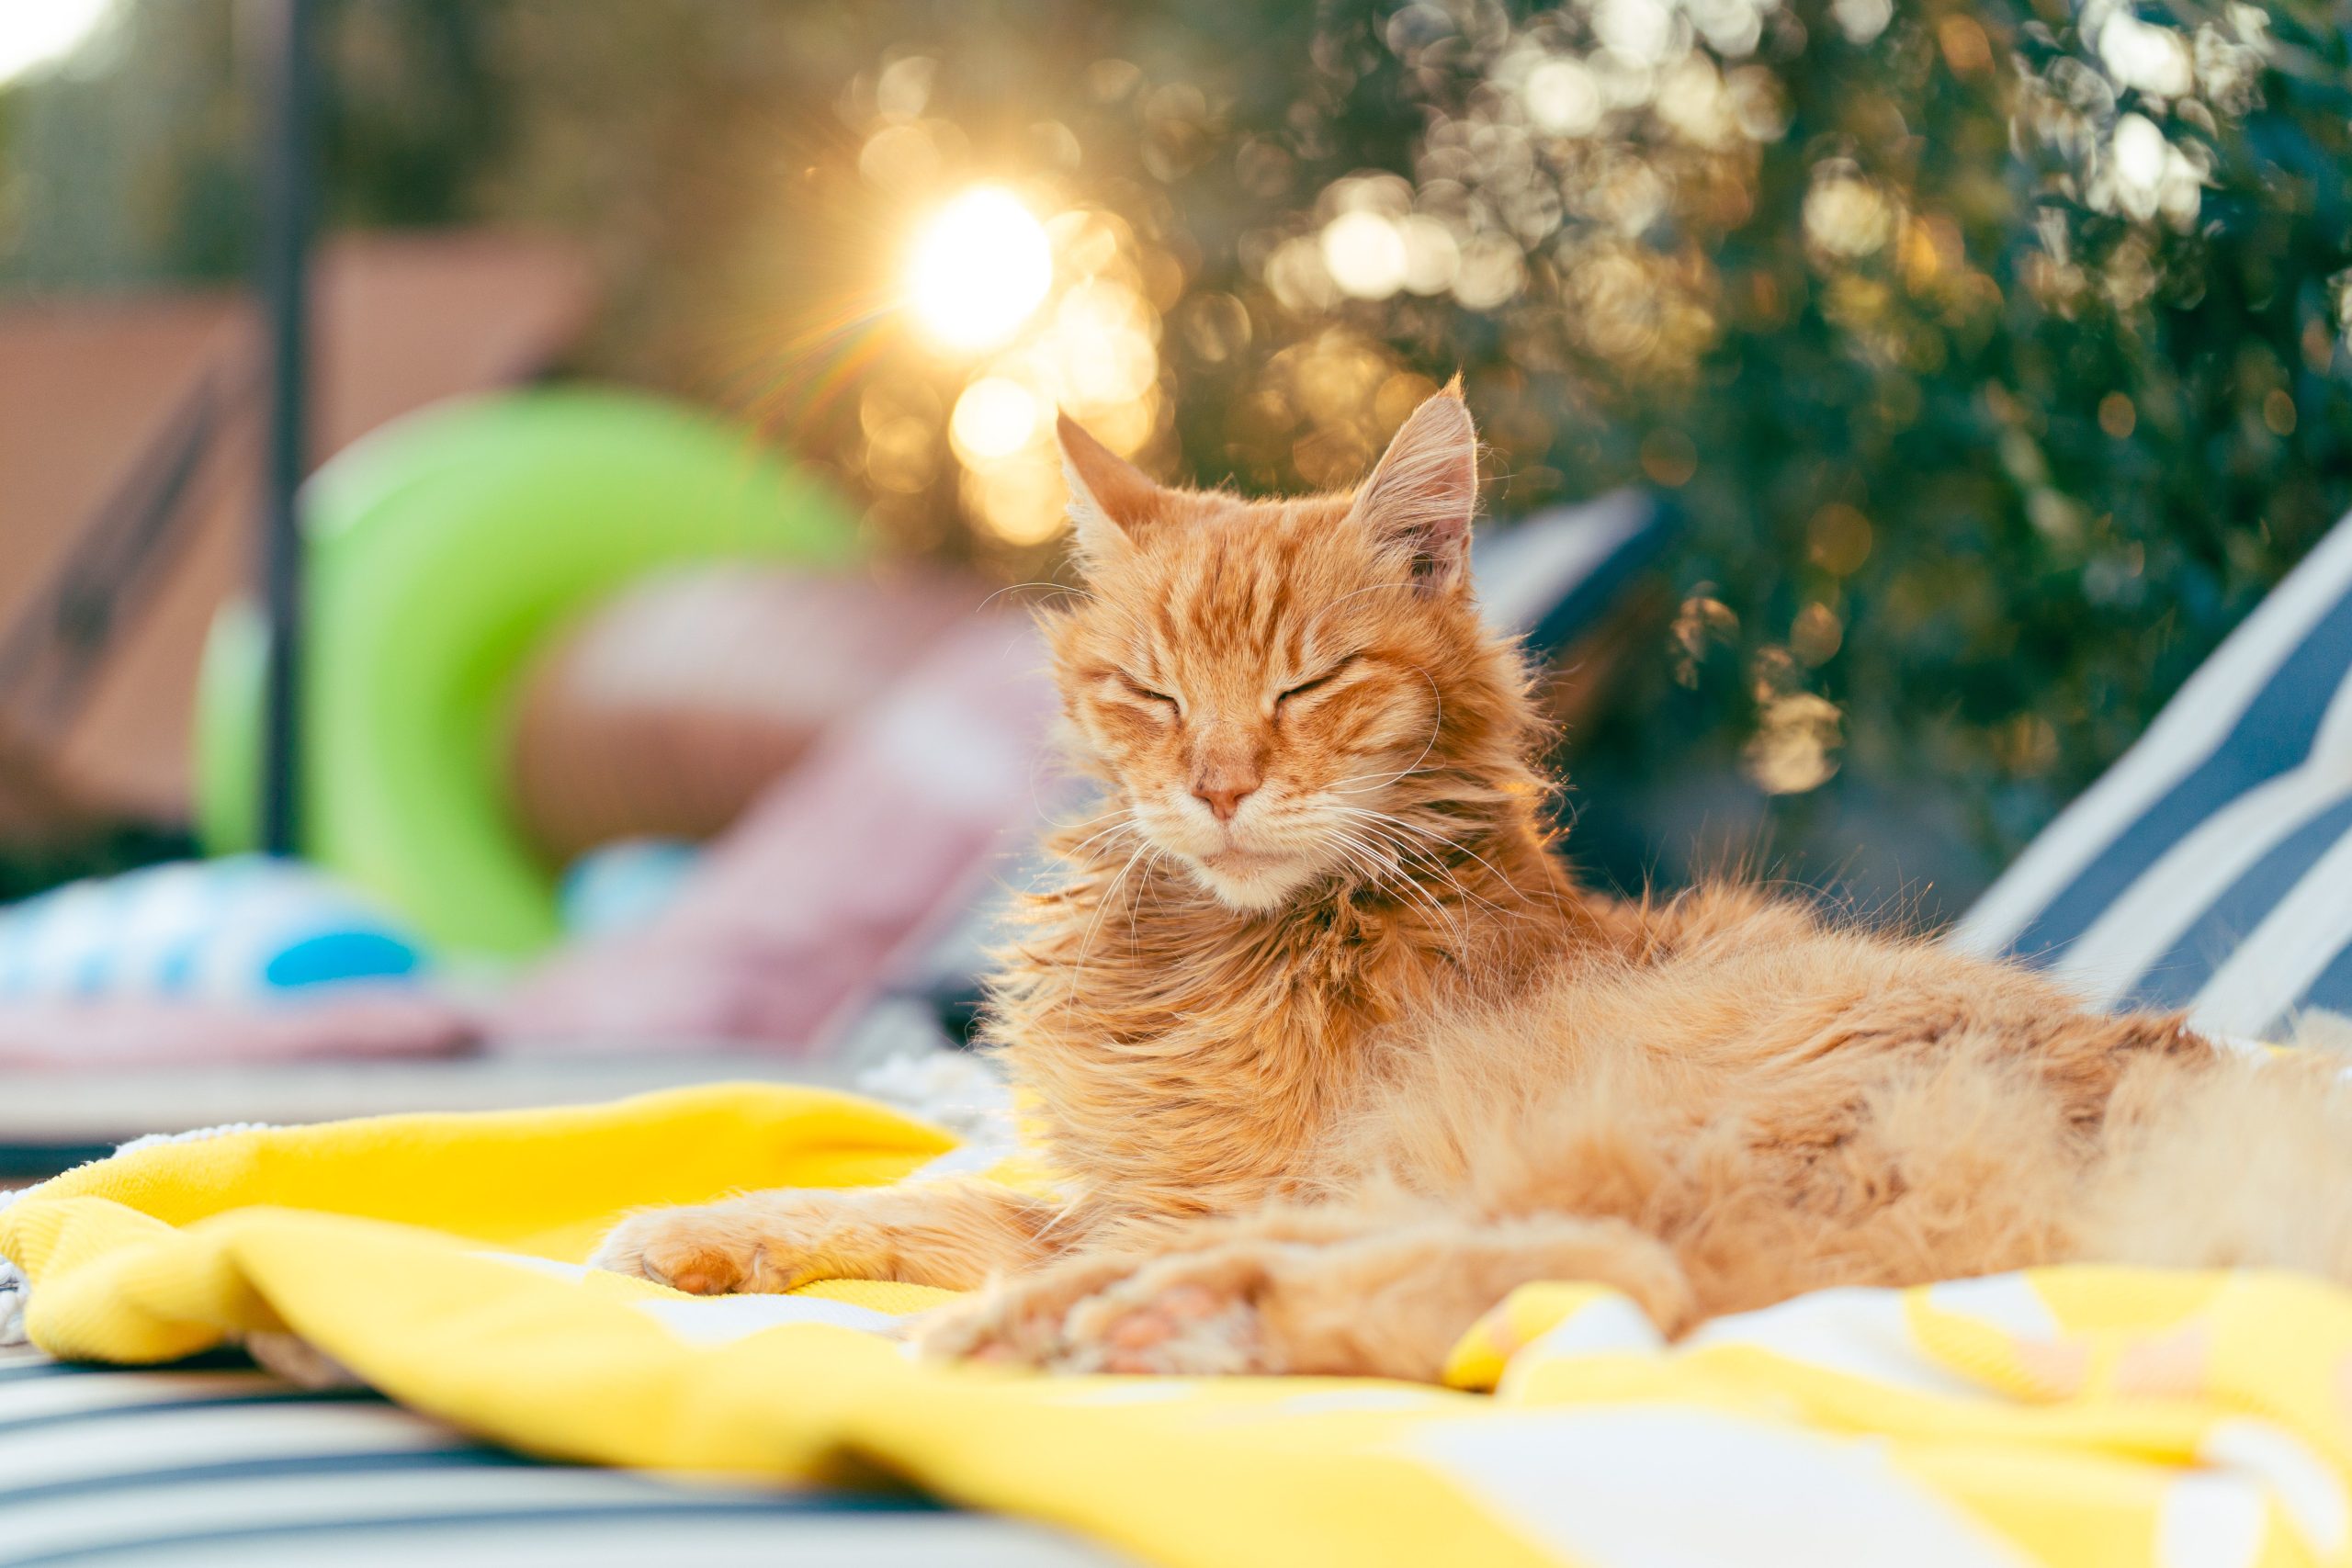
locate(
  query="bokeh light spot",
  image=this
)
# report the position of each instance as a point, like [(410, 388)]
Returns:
[(1796, 744), (1670, 457), (1838, 538), (1021, 500), (1365, 254), (995, 418), (1817, 635), (1562, 98), (1846, 215), (2279, 414), (1861, 20), (2139, 54), (2116, 416)]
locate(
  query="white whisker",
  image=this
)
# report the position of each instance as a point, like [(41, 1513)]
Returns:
[(1333, 787), (1454, 844), (1405, 884), (1080, 848), (1437, 727), (1078, 970), (1017, 587)]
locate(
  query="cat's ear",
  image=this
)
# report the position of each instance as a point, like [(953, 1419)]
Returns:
[(1110, 499), (1421, 496)]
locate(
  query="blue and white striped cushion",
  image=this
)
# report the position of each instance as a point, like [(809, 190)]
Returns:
[(217, 1463), (2210, 868)]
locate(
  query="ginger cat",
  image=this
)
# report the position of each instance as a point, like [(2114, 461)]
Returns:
[(1334, 1054)]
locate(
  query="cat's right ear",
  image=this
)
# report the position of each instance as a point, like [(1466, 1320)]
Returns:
[(1110, 499)]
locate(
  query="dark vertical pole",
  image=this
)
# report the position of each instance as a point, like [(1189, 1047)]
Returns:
[(287, 178)]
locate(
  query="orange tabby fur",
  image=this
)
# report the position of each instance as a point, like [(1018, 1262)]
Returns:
[(1334, 1054)]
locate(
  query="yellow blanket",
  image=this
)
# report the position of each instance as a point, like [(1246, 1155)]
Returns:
[(2071, 1415)]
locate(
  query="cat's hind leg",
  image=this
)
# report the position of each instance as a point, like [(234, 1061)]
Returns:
[(1310, 1288), (950, 1234)]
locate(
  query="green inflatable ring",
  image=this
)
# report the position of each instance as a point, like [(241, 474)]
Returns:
[(443, 551)]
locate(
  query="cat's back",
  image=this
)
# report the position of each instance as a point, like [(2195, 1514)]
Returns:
[(1730, 1002), (1737, 973)]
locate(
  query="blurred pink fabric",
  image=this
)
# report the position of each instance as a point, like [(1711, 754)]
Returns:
[(794, 912), (127, 1032)]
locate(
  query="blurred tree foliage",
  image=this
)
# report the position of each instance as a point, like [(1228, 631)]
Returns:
[(1994, 352)]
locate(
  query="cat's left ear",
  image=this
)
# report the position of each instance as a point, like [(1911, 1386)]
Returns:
[(1421, 496), (1110, 500)]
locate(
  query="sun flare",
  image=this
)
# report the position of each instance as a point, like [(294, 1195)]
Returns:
[(34, 33), (980, 267)]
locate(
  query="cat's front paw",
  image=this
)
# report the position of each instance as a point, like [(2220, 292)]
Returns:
[(687, 1249), (765, 1243), (1189, 1315)]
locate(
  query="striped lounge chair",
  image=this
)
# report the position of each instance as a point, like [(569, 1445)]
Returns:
[(2211, 869), (214, 1462)]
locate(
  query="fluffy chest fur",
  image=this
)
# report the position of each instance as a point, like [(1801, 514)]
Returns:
[(1180, 1060)]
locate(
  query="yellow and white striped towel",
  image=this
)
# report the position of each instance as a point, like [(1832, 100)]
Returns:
[(2074, 1415)]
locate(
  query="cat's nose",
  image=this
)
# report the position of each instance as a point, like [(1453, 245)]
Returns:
[(1224, 795)]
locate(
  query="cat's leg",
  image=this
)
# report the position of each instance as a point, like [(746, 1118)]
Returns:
[(1336, 1292), (951, 1234)]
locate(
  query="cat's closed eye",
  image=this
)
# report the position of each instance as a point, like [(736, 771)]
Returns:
[(1137, 689), (1314, 683)]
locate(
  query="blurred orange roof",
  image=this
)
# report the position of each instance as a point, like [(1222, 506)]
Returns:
[(130, 431)]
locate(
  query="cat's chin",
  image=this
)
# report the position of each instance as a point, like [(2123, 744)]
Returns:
[(1251, 884)]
